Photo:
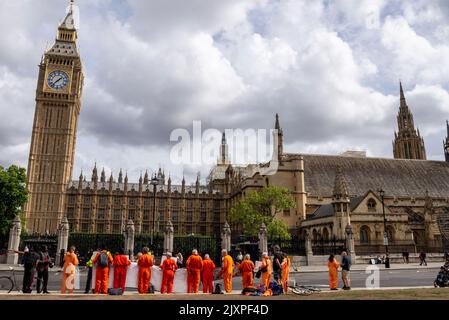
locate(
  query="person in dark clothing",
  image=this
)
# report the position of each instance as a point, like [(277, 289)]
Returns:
[(29, 261), (43, 264), (422, 258), (277, 263), (345, 270), (90, 255)]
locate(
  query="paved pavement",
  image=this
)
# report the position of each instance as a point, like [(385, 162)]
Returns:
[(398, 276)]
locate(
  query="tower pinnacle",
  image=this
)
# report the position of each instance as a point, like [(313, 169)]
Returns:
[(408, 143)]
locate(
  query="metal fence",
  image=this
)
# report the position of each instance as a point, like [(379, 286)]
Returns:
[(36, 241), (4, 238), (85, 243), (155, 244), (323, 247), (378, 247), (292, 247), (209, 245)]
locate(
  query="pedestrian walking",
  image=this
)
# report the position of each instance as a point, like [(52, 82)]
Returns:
[(345, 270), (43, 264), (102, 261), (68, 271), (422, 258), (333, 266)]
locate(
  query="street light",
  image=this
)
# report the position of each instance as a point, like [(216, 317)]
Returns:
[(387, 259), (154, 182)]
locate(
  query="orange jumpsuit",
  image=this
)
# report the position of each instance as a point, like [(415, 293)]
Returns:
[(285, 272), (333, 274), (247, 268), (194, 266), (102, 274), (145, 263), (168, 274), (121, 264), (266, 276), (228, 271), (68, 270), (208, 275)]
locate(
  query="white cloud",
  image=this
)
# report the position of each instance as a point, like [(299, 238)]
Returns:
[(329, 68)]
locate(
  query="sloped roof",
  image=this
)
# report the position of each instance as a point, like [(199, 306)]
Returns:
[(326, 210), (401, 178)]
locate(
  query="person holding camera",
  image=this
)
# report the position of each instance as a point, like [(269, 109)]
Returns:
[(43, 264)]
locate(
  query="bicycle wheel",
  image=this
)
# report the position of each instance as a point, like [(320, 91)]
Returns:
[(6, 284)]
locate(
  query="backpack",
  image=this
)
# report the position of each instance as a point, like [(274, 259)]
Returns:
[(115, 292), (218, 289), (103, 260)]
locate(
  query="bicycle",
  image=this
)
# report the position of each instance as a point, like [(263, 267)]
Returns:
[(304, 290), (8, 283)]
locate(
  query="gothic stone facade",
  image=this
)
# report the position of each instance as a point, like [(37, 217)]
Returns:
[(330, 192)]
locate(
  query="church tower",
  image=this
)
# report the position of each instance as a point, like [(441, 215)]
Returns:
[(446, 143), (58, 104), (224, 155), (408, 143), (280, 139)]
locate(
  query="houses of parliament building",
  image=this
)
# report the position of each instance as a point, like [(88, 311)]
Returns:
[(330, 192)]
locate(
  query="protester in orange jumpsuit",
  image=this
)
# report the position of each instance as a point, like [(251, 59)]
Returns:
[(102, 273), (169, 266), (247, 267), (267, 270), (285, 272), (333, 266), (121, 264), (68, 270), (194, 265), (227, 270), (145, 263), (208, 274)]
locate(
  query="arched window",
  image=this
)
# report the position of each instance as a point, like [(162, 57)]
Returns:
[(325, 234), (372, 204), (364, 234), (314, 235)]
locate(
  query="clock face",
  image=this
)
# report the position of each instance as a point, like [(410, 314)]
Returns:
[(58, 80)]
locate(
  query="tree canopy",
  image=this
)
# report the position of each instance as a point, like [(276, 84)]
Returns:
[(262, 206), (13, 195)]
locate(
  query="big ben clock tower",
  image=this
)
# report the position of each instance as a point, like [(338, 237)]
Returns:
[(58, 103)]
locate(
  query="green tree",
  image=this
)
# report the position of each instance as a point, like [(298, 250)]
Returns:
[(13, 195), (262, 206)]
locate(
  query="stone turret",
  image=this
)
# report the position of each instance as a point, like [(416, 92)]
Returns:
[(340, 201)]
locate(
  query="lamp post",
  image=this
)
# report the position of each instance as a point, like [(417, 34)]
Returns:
[(387, 259), (154, 183)]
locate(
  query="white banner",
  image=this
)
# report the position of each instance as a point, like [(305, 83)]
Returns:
[(132, 276)]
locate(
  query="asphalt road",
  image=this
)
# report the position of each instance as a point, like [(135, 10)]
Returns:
[(387, 278)]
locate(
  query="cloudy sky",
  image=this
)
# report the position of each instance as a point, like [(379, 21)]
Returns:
[(330, 68)]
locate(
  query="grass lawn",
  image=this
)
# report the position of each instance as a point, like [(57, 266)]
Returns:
[(404, 294)]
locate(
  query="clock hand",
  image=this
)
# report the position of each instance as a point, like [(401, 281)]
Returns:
[(57, 80)]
